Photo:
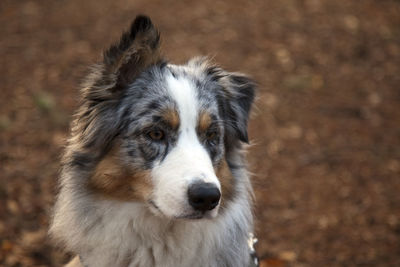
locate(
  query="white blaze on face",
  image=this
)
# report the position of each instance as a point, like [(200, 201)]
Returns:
[(188, 161)]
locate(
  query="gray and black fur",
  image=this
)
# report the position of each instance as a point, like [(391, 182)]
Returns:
[(117, 130)]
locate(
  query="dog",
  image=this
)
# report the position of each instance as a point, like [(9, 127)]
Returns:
[(154, 173)]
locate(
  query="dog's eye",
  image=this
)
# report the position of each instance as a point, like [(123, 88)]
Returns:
[(156, 134), (211, 135)]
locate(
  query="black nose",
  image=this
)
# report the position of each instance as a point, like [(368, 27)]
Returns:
[(203, 196)]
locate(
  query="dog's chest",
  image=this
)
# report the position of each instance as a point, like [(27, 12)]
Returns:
[(172, 254), (148, 241), (168, 252)]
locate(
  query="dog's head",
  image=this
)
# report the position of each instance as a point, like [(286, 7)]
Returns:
[(157, 133)]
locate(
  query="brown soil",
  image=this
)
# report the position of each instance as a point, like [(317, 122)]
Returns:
[(325, 134)]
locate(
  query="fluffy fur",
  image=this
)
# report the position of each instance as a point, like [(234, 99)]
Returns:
[(146, 131)]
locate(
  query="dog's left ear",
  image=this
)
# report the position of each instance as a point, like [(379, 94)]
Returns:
[(235, 100), (235, 95)]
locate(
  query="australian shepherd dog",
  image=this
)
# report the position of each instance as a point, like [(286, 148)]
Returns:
[(154, 171)]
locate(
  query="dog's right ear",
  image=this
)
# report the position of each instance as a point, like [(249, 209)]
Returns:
[(137, 50)]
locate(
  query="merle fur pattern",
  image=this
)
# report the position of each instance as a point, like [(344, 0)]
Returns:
[(122, 99)]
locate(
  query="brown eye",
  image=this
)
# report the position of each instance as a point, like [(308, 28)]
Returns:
[(156, 135), (211, 135)]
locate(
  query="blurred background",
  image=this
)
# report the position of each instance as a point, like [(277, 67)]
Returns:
[(325, 133)]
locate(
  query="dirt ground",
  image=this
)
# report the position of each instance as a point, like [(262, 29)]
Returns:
[(325, 150)]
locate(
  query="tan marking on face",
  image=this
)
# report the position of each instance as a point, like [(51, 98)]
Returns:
[(204, 121), (112, 180), (171, 117), (227, 181)]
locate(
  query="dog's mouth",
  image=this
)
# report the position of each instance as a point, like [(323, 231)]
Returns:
[(192, 216), (154, 207), (195, 215)]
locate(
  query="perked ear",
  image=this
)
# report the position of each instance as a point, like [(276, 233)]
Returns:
[(237, 96), (137, 50), (123, 62)]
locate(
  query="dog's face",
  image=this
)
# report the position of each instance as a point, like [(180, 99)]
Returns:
[(161, 132), (178, 135)]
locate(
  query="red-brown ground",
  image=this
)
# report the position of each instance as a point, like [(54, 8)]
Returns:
[(326, 131)]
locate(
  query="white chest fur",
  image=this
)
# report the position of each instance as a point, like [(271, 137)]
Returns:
[(114, 234)]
